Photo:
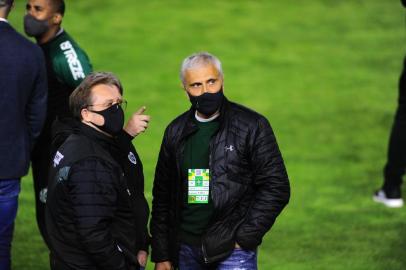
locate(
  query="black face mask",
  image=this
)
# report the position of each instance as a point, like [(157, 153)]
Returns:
[(113, 119), (34, 27), (207, 103)]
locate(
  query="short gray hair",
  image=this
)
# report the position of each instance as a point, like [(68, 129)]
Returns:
[(199, 59)]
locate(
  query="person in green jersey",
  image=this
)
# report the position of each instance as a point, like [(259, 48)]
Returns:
[(220, 181), (67, 65)]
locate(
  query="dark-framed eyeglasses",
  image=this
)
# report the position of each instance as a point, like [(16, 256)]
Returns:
[(122, 103)]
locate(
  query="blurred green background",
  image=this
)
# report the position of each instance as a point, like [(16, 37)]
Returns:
[(323, 72)]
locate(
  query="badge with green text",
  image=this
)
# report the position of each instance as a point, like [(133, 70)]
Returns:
[(198, 185)]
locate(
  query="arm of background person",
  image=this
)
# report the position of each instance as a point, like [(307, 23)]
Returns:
[(37, 104), (71, 72), (271, 184), (91, 185), (159, 225), (143, 238)]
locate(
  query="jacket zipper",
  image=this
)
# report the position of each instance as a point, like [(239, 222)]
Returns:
[(204, 253)]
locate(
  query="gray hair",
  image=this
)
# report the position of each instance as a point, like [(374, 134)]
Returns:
[(199, 59)]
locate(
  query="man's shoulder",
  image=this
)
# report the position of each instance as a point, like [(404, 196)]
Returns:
[(177, 124), (78, 149), (63, 41), (64, 49), (243, 113), (70, 63), (17, 41)]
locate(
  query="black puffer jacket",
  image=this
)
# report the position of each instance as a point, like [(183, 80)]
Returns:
[(96, 213), (249, 185)]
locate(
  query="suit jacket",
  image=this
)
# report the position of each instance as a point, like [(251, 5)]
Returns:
[(23, 97)]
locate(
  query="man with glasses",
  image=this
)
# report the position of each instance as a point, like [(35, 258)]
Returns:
[(97, 214), (23, 95)]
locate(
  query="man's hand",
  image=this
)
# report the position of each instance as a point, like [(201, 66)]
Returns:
[(138, 122), (163, 265), (142, 258)]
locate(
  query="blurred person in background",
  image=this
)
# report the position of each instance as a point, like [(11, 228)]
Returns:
[(23, 97), (96, 211), (390, 193), (67, 65), (220, 181)]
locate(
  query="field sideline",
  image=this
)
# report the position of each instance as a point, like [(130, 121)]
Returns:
[(323, 72)]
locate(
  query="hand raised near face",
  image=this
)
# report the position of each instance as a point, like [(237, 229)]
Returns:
[(138, 122)]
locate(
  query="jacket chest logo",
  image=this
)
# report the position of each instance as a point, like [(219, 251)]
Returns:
[(229, 148), (57, 159), (131, 158)]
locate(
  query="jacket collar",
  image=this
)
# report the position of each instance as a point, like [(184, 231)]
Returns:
[(95, 135), (190, 125), (5, 24)]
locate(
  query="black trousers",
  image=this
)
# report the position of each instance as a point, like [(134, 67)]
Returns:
[(396, 162), (40, 162)]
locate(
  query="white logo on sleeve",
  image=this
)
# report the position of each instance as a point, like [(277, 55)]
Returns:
[(57, 159), (74, 64), (43, 195), (229, 148), (131, 158)]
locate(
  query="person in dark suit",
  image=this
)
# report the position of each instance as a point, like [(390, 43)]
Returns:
[(23, 97)]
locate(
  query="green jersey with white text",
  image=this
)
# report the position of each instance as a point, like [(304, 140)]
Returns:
[(67, 66)]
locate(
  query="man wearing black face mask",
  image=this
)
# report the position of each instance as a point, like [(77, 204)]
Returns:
[(220, 181), (67, 65), (96, 214)]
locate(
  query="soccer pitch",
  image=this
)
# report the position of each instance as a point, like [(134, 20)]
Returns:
[(323, 72)]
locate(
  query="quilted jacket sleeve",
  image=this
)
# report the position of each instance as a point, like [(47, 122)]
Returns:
[(93, 195), (161, 203), (271, 185)]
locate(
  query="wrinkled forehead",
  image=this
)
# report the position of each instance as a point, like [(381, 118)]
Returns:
[(202, 72), (43, 4)]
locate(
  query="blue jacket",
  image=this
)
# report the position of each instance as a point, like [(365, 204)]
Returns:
[(23, 97)]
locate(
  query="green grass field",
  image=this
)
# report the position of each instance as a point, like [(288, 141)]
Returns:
[(323, 72)]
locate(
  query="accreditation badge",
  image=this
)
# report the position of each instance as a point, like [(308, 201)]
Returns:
[(198, 186)]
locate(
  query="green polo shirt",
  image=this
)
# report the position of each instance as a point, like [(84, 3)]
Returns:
[(196, 216)]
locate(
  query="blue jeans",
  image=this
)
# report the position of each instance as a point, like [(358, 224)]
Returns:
[(9, 190), (191, 258)]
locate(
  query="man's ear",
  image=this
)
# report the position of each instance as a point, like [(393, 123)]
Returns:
[(57, 18), (85, 113)]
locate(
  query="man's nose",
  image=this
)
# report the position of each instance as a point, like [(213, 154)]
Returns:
[(204, 88)]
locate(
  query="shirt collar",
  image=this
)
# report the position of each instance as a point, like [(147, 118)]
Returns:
[(59, 32), (205, 120), (3, 20)]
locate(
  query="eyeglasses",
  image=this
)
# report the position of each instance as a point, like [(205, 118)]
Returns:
[(122, 103)]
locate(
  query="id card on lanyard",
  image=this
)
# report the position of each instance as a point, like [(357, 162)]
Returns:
[(198, 186)]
